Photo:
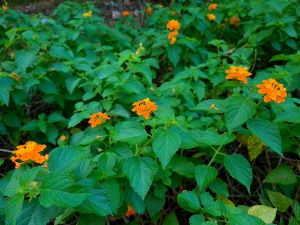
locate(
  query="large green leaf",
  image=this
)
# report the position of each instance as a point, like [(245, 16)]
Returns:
[(196, 219), (268, 132), (182, 166), (171, 219), (13, 208), (205, 175), (189, 201), (239, 168), (265, 213), (291, 116), (67, 158), (279, 201), (140, 172), (209, 137), (174, 52), (5, 87), (281, 175), (58, 189), (34, 214), (24, 59), (239, 109), (131, 132), (166, 143)]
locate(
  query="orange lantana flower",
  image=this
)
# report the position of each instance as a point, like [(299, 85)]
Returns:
[(238, 73), (273, 90), (144, 108), (125, 13), (87, 14), (28, 152), (63, 138), (173, 25), (97, 118), (130, 211), (234, 21), (149, 10), (212, 6), (211, 17)]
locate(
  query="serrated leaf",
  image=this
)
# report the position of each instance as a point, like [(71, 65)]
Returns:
[(24, 59), (205, 175), (140, 172), (209, 137), (265, 213), (238, 111), (66, 158), (290, 116), (219, 187), (174, 53), (13, 208), (239, 168), (5, 87), (130, 132), (189, 201), (279, 201), (57, 190), (182, 166), (281, 175), (166, 143), (268, 132), (71, 83)]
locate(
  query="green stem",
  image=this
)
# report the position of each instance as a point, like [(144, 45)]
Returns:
[(214, 156)]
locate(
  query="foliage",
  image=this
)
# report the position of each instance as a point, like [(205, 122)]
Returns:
[(165, 121)]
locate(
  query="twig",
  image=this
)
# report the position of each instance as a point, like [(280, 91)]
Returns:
[(5, 150)]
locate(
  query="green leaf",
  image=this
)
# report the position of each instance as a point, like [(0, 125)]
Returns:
[(174, 52), (290, 116), (219, 187), (140, 172), (5, 87), (58, 189), (13, 208), (113, 192), (182, 166), (268, 132), (166, 143), (171, 219), (72, 83), (281, 175), (189, 201), (24, 59), (67, 158), (130, 132), (135, 200), (209, 205), (239, 109), (34, 214), (265, 213), (196, 219), (279, 201), (239, 168), (290, 30), (209, 137), (61, 52), (154, 204), (243, 218), (205, 175), (106, 163)]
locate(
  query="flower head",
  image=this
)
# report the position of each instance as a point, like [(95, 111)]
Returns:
[(87, 14), (28, 152), (149, 10), (238, 73), (130, 211), (211, 17), (97, 118), (125, 13), (144, 108), (273, 91), (212, 6), (173, 25), (234, 21), (63, 138)]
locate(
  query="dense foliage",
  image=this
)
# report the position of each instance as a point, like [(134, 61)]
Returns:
[(191, 117)]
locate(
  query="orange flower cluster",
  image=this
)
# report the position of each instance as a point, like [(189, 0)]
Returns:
[(149, 10), (273, 90), (173, 26), (144, 108), (234, 21), (125, 13), (97, 118), (212, 6), (28, 152), (238, 73), (211, 17), (63, 138), (130, 211), (87, 14)]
